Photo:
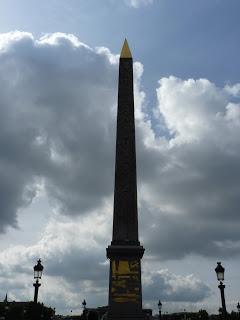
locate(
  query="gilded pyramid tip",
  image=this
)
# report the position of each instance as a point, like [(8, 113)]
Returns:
[(125, 53)]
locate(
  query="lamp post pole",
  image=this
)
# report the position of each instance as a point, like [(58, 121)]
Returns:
[(220, 276), (160, 309), (36, 286), (6, 308), (185, 315), (160, 315), (84, 313), (38, 268), (222, 287)]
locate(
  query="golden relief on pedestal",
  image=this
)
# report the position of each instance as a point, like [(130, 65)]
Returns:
[(125, 280)]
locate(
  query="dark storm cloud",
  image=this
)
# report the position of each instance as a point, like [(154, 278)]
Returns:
[(56, 99), (78, 265)]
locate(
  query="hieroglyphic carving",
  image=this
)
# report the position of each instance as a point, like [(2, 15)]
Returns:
[(125, 281), (125, 226)]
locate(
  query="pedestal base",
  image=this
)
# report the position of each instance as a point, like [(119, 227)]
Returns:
[(125, 290)]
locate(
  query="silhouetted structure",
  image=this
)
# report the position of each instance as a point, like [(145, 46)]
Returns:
[(15, 310), (220, 276), (238, 308), (38, 269), (92, 315), (160, 309), (84, 303), (125, 251)]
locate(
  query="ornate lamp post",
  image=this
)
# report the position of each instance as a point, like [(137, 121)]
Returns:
[(238, 308), (220, 276), (84, 303), (160, 309), (38, 268)]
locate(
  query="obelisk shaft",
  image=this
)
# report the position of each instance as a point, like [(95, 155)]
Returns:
[(125, 221)]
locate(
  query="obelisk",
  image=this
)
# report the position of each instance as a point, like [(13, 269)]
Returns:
[(125, 251)]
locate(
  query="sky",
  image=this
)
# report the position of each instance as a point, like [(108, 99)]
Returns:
[(58, 102)]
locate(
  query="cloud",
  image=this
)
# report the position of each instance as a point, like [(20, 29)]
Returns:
[(57, 96), (174, 287), (233, 90), (58, 115), (74, 260), (138, 3), (195, 195), (75, 267), (58, 105)]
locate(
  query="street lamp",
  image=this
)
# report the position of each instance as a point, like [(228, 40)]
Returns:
[(160, 309), (220, 276), (84, 304), (238, 307), (38, 269), (185, 315)]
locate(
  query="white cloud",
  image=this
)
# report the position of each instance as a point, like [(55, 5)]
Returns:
[(197, 169), (59, 38), (138, 3), (191, 109), (174, 287), (233, 90), (10, 38)]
